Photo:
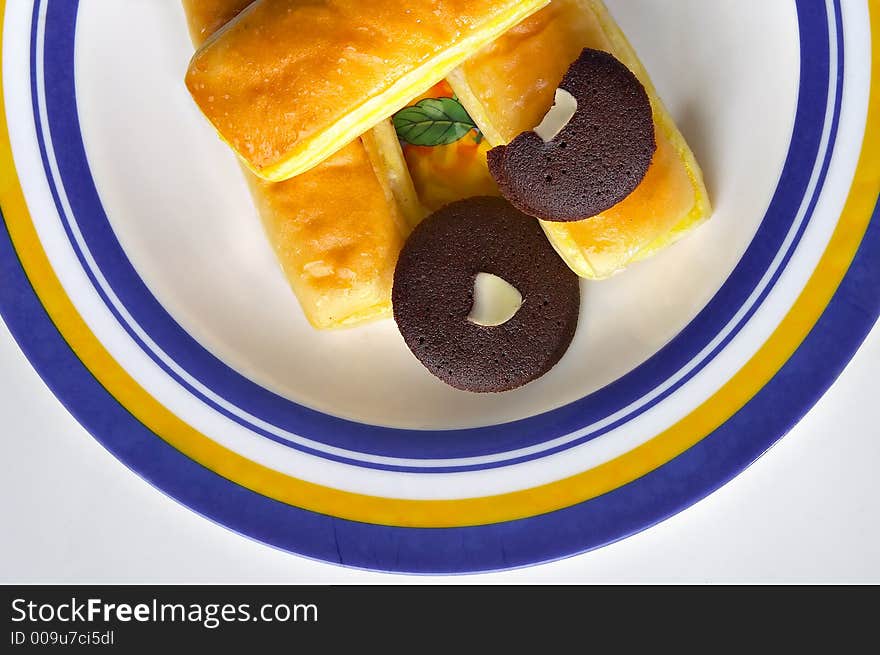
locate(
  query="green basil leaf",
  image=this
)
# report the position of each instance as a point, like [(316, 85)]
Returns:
[(433, 122)]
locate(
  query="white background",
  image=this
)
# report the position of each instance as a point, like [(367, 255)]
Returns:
[(805, 512)]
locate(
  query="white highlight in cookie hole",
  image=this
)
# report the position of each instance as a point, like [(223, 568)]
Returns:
[(564, 107), (495, 301)]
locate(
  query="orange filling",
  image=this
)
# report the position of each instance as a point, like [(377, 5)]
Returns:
[(444, 150)]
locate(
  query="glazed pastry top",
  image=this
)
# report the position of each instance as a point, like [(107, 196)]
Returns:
[(289, 82), (207, 16), (531, 58)]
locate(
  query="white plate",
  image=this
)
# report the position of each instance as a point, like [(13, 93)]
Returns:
[(143, 289)]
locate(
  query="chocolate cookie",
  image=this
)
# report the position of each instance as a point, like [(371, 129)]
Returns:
[(597, 159), (433, 296)]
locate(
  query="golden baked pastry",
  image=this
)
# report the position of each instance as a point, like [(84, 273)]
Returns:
[(336, 230), (337, 235), (207, 16), (509, 86), (289, 82)]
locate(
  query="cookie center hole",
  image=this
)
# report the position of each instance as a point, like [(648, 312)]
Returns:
[(564, 107), (496, 301)]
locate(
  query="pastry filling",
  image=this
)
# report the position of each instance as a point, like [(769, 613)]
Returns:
[(444, 149)]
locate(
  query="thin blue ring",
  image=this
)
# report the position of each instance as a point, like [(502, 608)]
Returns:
[(632, 507), (433, 444)]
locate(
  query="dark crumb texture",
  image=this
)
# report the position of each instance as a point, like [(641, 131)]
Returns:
[(433, 295), (597, 160)]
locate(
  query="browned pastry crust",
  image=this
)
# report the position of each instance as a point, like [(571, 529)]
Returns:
[(289, 82), (337, 229)]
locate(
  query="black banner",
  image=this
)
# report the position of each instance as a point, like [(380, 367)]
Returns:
[(130, 619)]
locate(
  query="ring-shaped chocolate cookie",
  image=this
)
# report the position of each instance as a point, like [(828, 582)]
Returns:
[(434, 287), (597, 159)]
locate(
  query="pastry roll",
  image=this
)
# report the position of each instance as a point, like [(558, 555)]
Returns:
[(510, 85), (289, 82), (207, 16), (337, 235), (338, 229)]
